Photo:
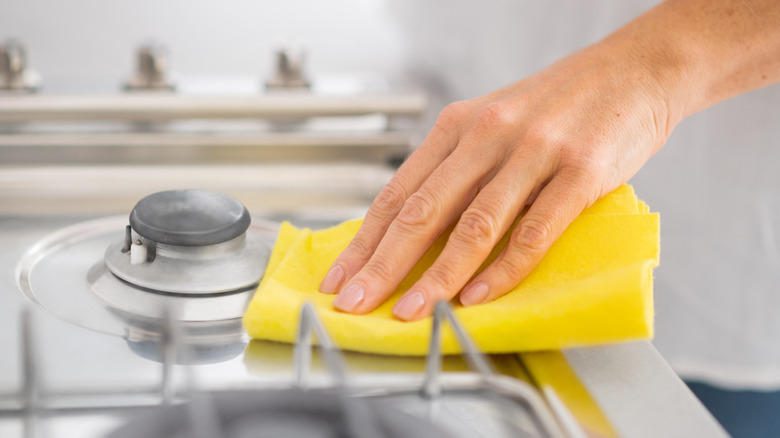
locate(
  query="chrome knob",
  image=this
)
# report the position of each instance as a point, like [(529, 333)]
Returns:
[(289, 72), (14, 73), (152, 70)]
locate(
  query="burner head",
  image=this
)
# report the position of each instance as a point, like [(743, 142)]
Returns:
[(189, 218), (188, 242)]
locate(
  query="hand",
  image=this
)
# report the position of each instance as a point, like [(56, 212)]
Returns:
[(556, 141)]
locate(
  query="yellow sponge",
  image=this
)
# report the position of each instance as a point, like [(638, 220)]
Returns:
[(594, 286)]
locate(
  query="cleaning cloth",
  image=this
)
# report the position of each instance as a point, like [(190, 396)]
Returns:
[(594, 286)]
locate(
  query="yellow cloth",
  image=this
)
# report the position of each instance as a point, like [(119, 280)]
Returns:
[(594, 286)]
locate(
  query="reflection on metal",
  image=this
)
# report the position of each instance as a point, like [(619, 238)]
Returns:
[(15, 75), (189, 242), (31, 382), (327, 193), (476, 360), (86, 294), (367, 405), (309, 323), (364, 403), (565, 417), (152, 69), (158, 107), (359, 420), (31, 386), (170, 338), (290, 73), (210, 148)]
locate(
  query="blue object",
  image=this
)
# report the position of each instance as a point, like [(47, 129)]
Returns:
[(744, 414)]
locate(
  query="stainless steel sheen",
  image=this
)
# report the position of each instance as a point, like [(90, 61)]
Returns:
[(88, 295), (15, 75), (230, 266), (157, 107), (190, 218), (289, 74), (152, 69), (89, 383), (189, 242)]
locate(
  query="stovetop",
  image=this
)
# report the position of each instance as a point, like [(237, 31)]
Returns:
[(90, 383), (66, 372)]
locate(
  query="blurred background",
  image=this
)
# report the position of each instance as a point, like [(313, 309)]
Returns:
[(371, 77)]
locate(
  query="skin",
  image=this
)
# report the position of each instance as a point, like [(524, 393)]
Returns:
[(554, 142)]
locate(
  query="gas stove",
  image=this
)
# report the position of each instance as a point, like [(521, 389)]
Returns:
[(104, 335)]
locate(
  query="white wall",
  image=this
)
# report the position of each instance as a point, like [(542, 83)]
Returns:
[(78, 41)]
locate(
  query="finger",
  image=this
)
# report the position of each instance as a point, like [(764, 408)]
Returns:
[(424, 216), (436, 147), (477, 232), (556, 206)]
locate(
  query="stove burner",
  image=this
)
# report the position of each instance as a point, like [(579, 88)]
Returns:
[(288, 413), (188, 242), (189, 218)]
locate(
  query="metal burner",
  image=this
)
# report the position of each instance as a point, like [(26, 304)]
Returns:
[(188, 242), (65, 274)]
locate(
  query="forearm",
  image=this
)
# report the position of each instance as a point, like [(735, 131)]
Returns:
[(705, 51)]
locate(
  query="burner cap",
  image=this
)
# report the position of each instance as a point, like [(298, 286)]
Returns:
[(189, 217)]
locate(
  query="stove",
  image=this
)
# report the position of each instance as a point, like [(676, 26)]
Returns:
[(122, 287)]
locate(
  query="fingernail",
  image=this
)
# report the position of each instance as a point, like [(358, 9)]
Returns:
[(350, 298), (474, 294), (330, 284), (408, 306)]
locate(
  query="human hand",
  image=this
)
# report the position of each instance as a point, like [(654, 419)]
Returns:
[(555, 142)]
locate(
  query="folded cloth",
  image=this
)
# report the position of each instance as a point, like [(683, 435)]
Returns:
[(594, 286)]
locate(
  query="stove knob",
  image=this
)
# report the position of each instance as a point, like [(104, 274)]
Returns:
[(189, 218), (14, 73), (289, 70), (152, 62)]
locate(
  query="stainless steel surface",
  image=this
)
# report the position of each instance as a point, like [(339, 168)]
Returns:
[(152, 69), (640, 393), (15, 74), (197, 148), (503, 406), (322, 193), (225, 267), (99, 373), (156, 107), (290, 73), (442, 313), (87, 294), (186, 242)]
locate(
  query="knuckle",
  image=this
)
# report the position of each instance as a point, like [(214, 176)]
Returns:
[(540, 133), (390, 198), (532, 236), (511, 268), (495, 115), (585, 165), (360, 248), (418, 211), (476, 226), (452, 115), (444, 278), (378, 269)]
